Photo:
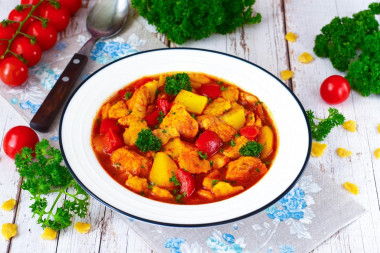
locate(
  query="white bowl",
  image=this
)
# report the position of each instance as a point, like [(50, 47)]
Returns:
[(288, 114)]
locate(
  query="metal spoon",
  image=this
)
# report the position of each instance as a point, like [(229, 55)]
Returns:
[(105, 19)]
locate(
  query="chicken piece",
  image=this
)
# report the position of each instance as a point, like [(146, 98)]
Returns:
[(104, 111), (161, 81), (225, 131), (166, 134), (180, 119), (131, 161), (218, 161), (231, 93), (249, 118), (139, 102), (199, 78), (211, 180), (246, 168), (217, 107), (131, 133), (176, 147), (246, 98), (137, 184), (191, 162), (205, 194), (233, 152), (118, 110), (223, 189), (162, 194)]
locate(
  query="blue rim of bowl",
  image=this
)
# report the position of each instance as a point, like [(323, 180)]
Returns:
[(175, 224)]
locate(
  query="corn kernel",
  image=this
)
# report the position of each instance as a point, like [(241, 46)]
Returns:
[(49, 234), (305, 57), (8, 230), (8, 205), (343, 152), (353, 188), (291, 37), (377, 153), (82, 228), (350, 126), (317, 149), (286, 74)]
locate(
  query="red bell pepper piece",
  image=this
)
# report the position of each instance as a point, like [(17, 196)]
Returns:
[(211, 90), (209, 142), (187, 182), (109, 124), (164, 105), (250, 132), (111, 141), (153, 118), (142, 81)]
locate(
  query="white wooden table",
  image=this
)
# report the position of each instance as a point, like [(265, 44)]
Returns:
[(263, 44)]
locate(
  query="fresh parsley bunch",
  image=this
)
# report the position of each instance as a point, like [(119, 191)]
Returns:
[(320, 131), (44, 174), (182, 20)]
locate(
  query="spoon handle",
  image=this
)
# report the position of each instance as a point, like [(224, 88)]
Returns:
[(58, 94)]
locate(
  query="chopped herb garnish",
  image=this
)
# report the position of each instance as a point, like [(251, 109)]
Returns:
[(211, 163), (251, 148), (209, 100), (258, 102), (193, 115), (151, 185), (236, 135), (233, 144), (142, 166), (223, 88), (179, 197), (164, 131), (127, 95), (174, 180), (176, 83), (202, 155), (214, 182), (146, 141), (257, 170), (160, 117), (173, 113)]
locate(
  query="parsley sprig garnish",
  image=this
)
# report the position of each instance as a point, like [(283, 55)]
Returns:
[(320, 131), (44, 175)]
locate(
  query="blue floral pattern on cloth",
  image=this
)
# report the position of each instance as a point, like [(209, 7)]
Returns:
[(107, 51), (290, 206), (174, 244), (28, 105), (286, 249), (46, 75), (225, 242)]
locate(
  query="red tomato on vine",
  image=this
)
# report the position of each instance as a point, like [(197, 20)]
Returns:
[(46, 36), (72, 5), (59, 17), (20, 15), (13, 72), (26, 48)]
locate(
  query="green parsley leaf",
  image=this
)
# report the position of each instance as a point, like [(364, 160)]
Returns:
[(44, 175), (214, 182), (320, 131), (251, 148), (127, 95), (174, 84), (146, 141), (233, 144), (202, 155), (174, 180)]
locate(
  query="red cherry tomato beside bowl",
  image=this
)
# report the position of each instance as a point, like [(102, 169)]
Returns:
[(335, 89), (17, 138), (13, 72)]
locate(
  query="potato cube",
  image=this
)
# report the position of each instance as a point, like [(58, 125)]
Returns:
[(152, 88), (193, 103), (234, 118), (266, 138), (162, 170)]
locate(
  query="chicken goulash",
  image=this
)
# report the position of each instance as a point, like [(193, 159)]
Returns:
[(184, 138)]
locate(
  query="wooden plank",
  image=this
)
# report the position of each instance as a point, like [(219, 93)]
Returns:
[(9, 178), (361, 168)]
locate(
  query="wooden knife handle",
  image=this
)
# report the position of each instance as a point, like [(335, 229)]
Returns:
[(57, 96)]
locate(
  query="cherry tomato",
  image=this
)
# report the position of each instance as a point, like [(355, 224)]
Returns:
[(164, 105), (13, 72), (24, 47), (20, 16), (45, 36), (7, 30), (249, 132), (59, 17), (17, 138), (111, 141), (335, 89), (153, 118), (211, 90), (33, 2), (209, 142), (109, 124), (187, 182), (72, 5)]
